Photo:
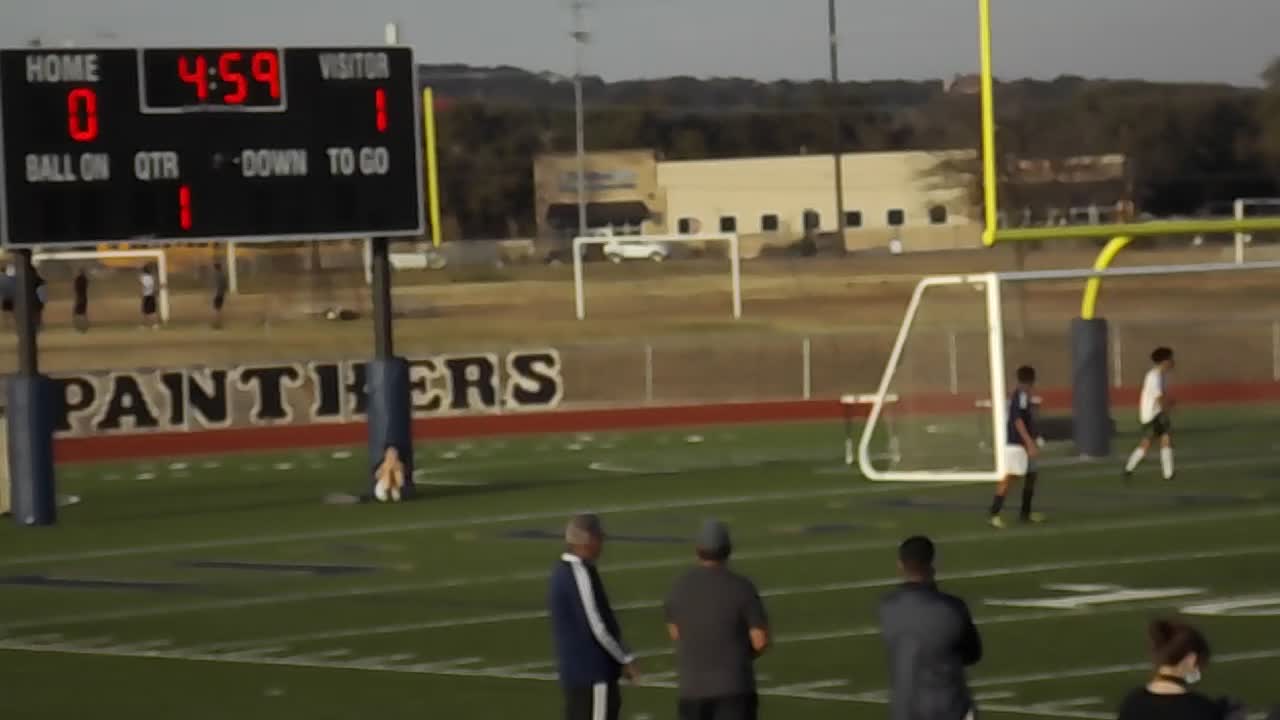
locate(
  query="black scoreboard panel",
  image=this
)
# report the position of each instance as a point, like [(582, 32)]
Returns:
[(171, 144)]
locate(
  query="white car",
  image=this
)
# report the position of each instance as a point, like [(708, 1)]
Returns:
[(618, 249)]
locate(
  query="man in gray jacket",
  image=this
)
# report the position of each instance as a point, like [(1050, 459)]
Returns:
[(930, 638)]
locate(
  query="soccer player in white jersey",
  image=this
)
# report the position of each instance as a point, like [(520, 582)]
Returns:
[(1154, 407)]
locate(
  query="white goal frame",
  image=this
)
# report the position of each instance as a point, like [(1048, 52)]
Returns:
[(995, 348), (1238, 212), (156, 256), (735, 262)]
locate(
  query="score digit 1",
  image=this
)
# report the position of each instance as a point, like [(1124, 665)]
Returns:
[(380, 109), (184, 207)]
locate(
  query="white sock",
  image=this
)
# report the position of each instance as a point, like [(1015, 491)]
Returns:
[(1135, 459), (1166, 461)]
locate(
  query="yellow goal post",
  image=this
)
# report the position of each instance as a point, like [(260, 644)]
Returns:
[(993, 233)]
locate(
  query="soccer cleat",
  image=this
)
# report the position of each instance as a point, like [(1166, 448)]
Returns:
[(1128, 476), (997, 522), (1034, 518), (1171, 477)]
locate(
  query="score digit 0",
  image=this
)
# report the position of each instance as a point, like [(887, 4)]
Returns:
[(82, 115)]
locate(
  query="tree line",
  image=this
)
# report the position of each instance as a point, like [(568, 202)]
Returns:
[(1191, 147)]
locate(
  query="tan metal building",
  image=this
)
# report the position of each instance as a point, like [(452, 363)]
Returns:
[(907, 201), (927, 200)]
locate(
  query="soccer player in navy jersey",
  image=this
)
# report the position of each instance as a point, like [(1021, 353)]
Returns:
[(1020, 450)]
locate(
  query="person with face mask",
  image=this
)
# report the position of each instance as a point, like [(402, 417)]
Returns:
[(1179, 651)]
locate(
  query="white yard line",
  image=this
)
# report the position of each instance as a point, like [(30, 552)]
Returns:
[(453, 523), (786, 639), (884, 582), (880, 699), (524, 667), (1038, 568), (474, 521), (450, 668), (804, 551), (808, 686), (1101, 670)]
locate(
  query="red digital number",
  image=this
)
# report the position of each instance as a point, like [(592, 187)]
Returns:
[(184, 207), (266, 69), (228, 74), (380, 109), (82, 115), (195, 71)]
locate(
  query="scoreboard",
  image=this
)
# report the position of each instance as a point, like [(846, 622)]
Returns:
[(172, 144)]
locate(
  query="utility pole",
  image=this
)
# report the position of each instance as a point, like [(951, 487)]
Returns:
[(837, 149), (580, 39)]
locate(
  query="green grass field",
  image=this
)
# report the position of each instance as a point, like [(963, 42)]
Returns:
[(223, 587)]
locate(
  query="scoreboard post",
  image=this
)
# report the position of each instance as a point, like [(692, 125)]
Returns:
[(154, 145)]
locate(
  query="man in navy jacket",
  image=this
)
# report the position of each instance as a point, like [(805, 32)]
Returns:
[(931, 639), (589, 649)]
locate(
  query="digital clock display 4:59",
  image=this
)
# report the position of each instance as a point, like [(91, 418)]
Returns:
[(244, 80)]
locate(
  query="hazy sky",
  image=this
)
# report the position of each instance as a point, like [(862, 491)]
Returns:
[(1193, 40)]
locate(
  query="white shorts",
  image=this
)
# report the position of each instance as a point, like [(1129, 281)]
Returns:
[(1016, 462)]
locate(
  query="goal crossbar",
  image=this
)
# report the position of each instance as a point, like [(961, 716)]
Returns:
[(735, 262), (991, 283), (156, 256)]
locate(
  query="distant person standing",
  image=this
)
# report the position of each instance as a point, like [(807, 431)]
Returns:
[(718, 622), (148, 282), (590, 654), (80, 304), (42, 297), (219, 294), (930, 638), (8, 290)]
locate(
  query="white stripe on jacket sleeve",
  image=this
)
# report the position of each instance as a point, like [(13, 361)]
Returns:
[(582, 579)]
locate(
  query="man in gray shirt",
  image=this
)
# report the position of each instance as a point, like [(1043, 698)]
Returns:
[(718, 622), (931, 639)]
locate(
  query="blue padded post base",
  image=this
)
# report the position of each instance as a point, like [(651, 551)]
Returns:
[(33, 404)]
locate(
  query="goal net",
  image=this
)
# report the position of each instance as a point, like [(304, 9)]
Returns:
[(939, 413)]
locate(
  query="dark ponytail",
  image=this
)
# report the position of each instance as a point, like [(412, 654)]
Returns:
[(1173, 640)]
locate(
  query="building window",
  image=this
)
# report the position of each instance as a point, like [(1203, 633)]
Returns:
[(897, 218), (728, 224), (685, 226), (769, 223), (812, 220), (938, 215), (853, 218)]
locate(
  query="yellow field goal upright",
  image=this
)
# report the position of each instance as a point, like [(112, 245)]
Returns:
[(993, 233)]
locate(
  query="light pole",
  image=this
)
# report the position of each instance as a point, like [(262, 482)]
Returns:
[(580, 38), (836, 146)]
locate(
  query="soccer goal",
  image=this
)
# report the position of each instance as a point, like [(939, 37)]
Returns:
[(653, 247), (154, 257), (1248, 208), (939, 413)]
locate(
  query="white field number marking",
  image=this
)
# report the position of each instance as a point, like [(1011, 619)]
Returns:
[(1085, 596), (1251, 606)]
